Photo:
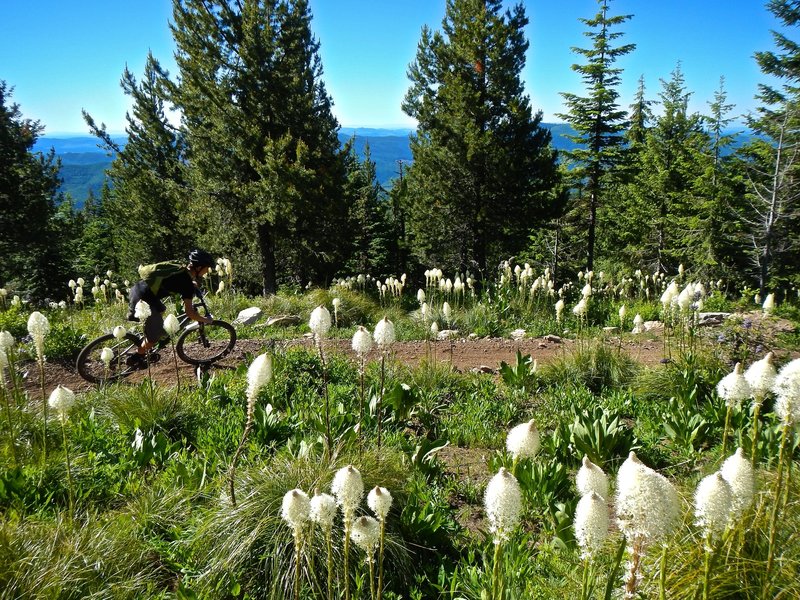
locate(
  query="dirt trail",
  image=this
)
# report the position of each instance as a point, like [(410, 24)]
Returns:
[(466, 355)]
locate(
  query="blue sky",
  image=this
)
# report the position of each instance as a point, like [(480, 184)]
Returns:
[(62, 56)]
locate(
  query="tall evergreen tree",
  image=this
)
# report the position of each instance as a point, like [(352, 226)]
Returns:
[(145, 204), (774, 202), (672, 161), (483, 166), (31, 241), (265, 165), (598, 120)]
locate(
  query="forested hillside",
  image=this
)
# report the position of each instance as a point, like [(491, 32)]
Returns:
[(260, 169)]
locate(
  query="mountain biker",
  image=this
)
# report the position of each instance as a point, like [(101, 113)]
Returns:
[(158, 281)]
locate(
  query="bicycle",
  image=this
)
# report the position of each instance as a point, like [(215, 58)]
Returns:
[(199, 344)]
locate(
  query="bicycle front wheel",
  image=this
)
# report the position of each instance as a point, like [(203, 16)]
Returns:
[(93, 368), (203, 343)]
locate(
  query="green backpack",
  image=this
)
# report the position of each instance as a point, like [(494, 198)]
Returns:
[(154, 274)]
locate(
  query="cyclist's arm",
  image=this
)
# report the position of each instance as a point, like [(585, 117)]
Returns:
[(192, 313)]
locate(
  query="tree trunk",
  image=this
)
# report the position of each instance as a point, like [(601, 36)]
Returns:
[(266, 244), (592, 229)]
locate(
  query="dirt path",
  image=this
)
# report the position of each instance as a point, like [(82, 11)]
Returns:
[(466, 355)]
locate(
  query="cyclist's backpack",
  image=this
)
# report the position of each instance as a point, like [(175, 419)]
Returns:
[(154, 274)]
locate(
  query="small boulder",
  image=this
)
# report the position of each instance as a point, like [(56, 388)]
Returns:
[(248, 316), (517, 334), (446, 334), (653, 326), (484, 369), (552, 338)]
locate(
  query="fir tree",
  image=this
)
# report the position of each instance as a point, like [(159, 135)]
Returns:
[(31, 240), (483, 166), (265, 166), (145, 203), (596, 117)]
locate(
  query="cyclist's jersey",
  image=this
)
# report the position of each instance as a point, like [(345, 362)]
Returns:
[(166, 278)]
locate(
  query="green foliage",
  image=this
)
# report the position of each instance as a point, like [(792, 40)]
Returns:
[(602, 436), (520, 376), (595, 366), (483, 169)]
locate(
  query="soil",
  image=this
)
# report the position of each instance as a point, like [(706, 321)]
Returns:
[(481, 354)]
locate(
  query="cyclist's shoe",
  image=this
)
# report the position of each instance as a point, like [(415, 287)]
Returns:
[(153, 357), (136, 361)]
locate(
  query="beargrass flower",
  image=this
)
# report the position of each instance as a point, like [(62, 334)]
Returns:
[(739, 474), (296, 508), (320, 321), (591, 479), (591, 523), (713, 501), (362, 341), (559, 309), (503, 503), (446, 311), (379, 501), (580, 308), (384, 333), (760, 377), (38, 327), (587, 290), (107, 355), (648, 507), (6, 340), (434, 329), (420, 296), (733, 388), (119, 332), (171, 325), (142, 310), (787, 390), (323, 510), (61, 401), (622, 312), (258, 375), (523, 440), (348, 489), (365, 534), (769, 304), (638, 324)]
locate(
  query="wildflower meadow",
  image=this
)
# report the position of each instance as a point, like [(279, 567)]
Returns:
[(325, 463)]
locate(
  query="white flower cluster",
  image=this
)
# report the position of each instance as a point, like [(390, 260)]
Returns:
[(648, 507), (503, 503), (320, 322), (787, 390), (362, 341), (61, 401), (591, 514), (523, 440), (712, 504), (384, 334), (258, 375), (366, 534), (38, 327), (739, 474), (760, 377), (733, 388), (296, 508), (323, 510), (379, 501), (348, 489)]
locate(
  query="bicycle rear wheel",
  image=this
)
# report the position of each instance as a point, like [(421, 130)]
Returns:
[(203, 343), (91, 366)]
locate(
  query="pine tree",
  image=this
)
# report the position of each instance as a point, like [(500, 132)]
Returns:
[(483, 166), (31, 241), (265, 166), (597, 118)]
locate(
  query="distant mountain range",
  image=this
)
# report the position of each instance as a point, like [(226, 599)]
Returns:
[(83, 163)]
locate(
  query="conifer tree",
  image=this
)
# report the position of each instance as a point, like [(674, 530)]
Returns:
[(144, 206), (773, 216), (596, 117), (31, 241), (265, 167), (483, 166)]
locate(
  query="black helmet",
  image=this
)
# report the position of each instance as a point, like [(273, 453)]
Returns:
[(200, 258)]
